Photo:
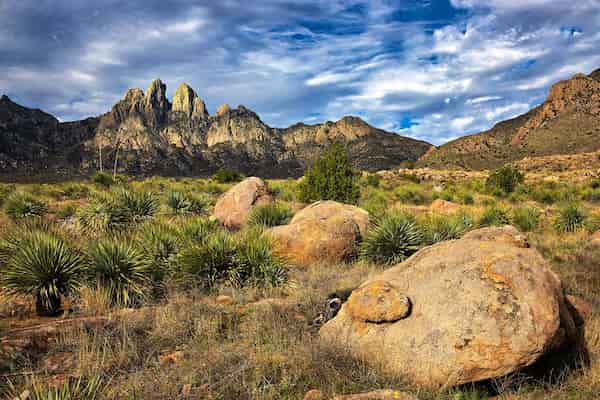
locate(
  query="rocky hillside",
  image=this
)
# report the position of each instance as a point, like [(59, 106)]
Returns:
[(145, 133), (568, 122)]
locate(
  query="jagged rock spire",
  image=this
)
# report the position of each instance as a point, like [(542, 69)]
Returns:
[(224, 109), (156, 103), (187, 101)]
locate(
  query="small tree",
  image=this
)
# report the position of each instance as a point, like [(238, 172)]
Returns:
[(505, 179), (331, 178)]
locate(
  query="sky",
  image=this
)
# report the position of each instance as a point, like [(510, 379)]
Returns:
[(428, 69)]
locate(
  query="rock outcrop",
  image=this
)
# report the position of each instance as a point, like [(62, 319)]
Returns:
[(145, 134), (325, 231), (459, 311), (234, 207)]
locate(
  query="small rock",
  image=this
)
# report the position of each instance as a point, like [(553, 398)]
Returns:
[(234, 207), (224, 300), (168, 357), (385, 394), (444, 206), (314, 394)]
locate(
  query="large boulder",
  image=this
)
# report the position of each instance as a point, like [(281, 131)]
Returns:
[(457, 312), (234, 207), (323, 231)]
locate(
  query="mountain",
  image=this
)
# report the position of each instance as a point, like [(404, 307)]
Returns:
[(568, 122), (145, 133)]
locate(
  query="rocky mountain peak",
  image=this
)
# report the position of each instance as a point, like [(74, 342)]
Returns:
[(581, 93), (223, 109), (187, 101), (4, 98), (596, 74), (156, 103), (134, 96)]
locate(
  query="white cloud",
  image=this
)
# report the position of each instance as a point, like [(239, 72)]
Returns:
[(483, 99), (461, 123)]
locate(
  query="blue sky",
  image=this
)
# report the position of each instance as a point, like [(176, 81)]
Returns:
[(430, 69)]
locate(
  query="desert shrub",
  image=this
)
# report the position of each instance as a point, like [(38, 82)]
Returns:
[(96, 217), (270, 215), (66, 211), (544, 195), (286, 190), (185, 203), (570, 218), (409, 177), (208, 262), (75, 191), (225, 175), (466, 198), (44, 266), (494, 216), (595, 183), (412, 194), (525, 218), (331, 178), (505, 179), (372, 180), (121, 268), (135, 206), (444, 195), (255, 263), (438, 228), (591, 195), (19, 206), (103, 179), (392, 239), (375, 201), (5, 192)]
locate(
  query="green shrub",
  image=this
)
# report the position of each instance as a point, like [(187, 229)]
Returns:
[(19, 206), (270, 215), (409, 177), (392, 239), (438, 228), (467, 199), (286, 190), (66, 212), (372, 180), (198, 230), (134, 206), (71, 389), (525, 218), (5, 192), (494, 216), (225, 175), (44, 266), (182, 204), (96, 217), (445, 195), (119, 267), (75, 191), (571, 218), (592, 195), (331, 178), (412, 194), (103, 179), (505, 179), (375, 201)]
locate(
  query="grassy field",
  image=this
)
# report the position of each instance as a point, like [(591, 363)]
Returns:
[(149, 272)]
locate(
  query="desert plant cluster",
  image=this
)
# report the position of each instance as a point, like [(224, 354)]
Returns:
[(180, 307)]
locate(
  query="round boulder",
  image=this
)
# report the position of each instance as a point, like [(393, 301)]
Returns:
[(457, 312), (324, 231), (234, 207)]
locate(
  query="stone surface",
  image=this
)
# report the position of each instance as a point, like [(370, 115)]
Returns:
[(325, 231), (507, 234), (234, 207), (444, 206), (481, 307), (224, 300), (383, 394), (314, 394), (187, 102)]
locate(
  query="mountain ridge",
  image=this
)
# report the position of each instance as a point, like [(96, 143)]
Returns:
[(146, 133)]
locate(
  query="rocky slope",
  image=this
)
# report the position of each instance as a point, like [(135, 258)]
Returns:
[(568, 122), (145, 133)]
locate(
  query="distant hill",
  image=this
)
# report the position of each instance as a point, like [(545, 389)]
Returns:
[(568, 122), (148, 134)]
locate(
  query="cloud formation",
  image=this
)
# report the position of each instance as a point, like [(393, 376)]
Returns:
[(433, 70)]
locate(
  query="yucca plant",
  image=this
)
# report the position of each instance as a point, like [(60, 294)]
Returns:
[(198, 230), (96, 217), (256, 264), (571, 218), (43, 265), (438, 228), (392, 239), (270, 215), (182, 204), (134, 206), (160, 243), (19, 206), (121, 268), (494, 216), (210, 261), (526, 218)]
